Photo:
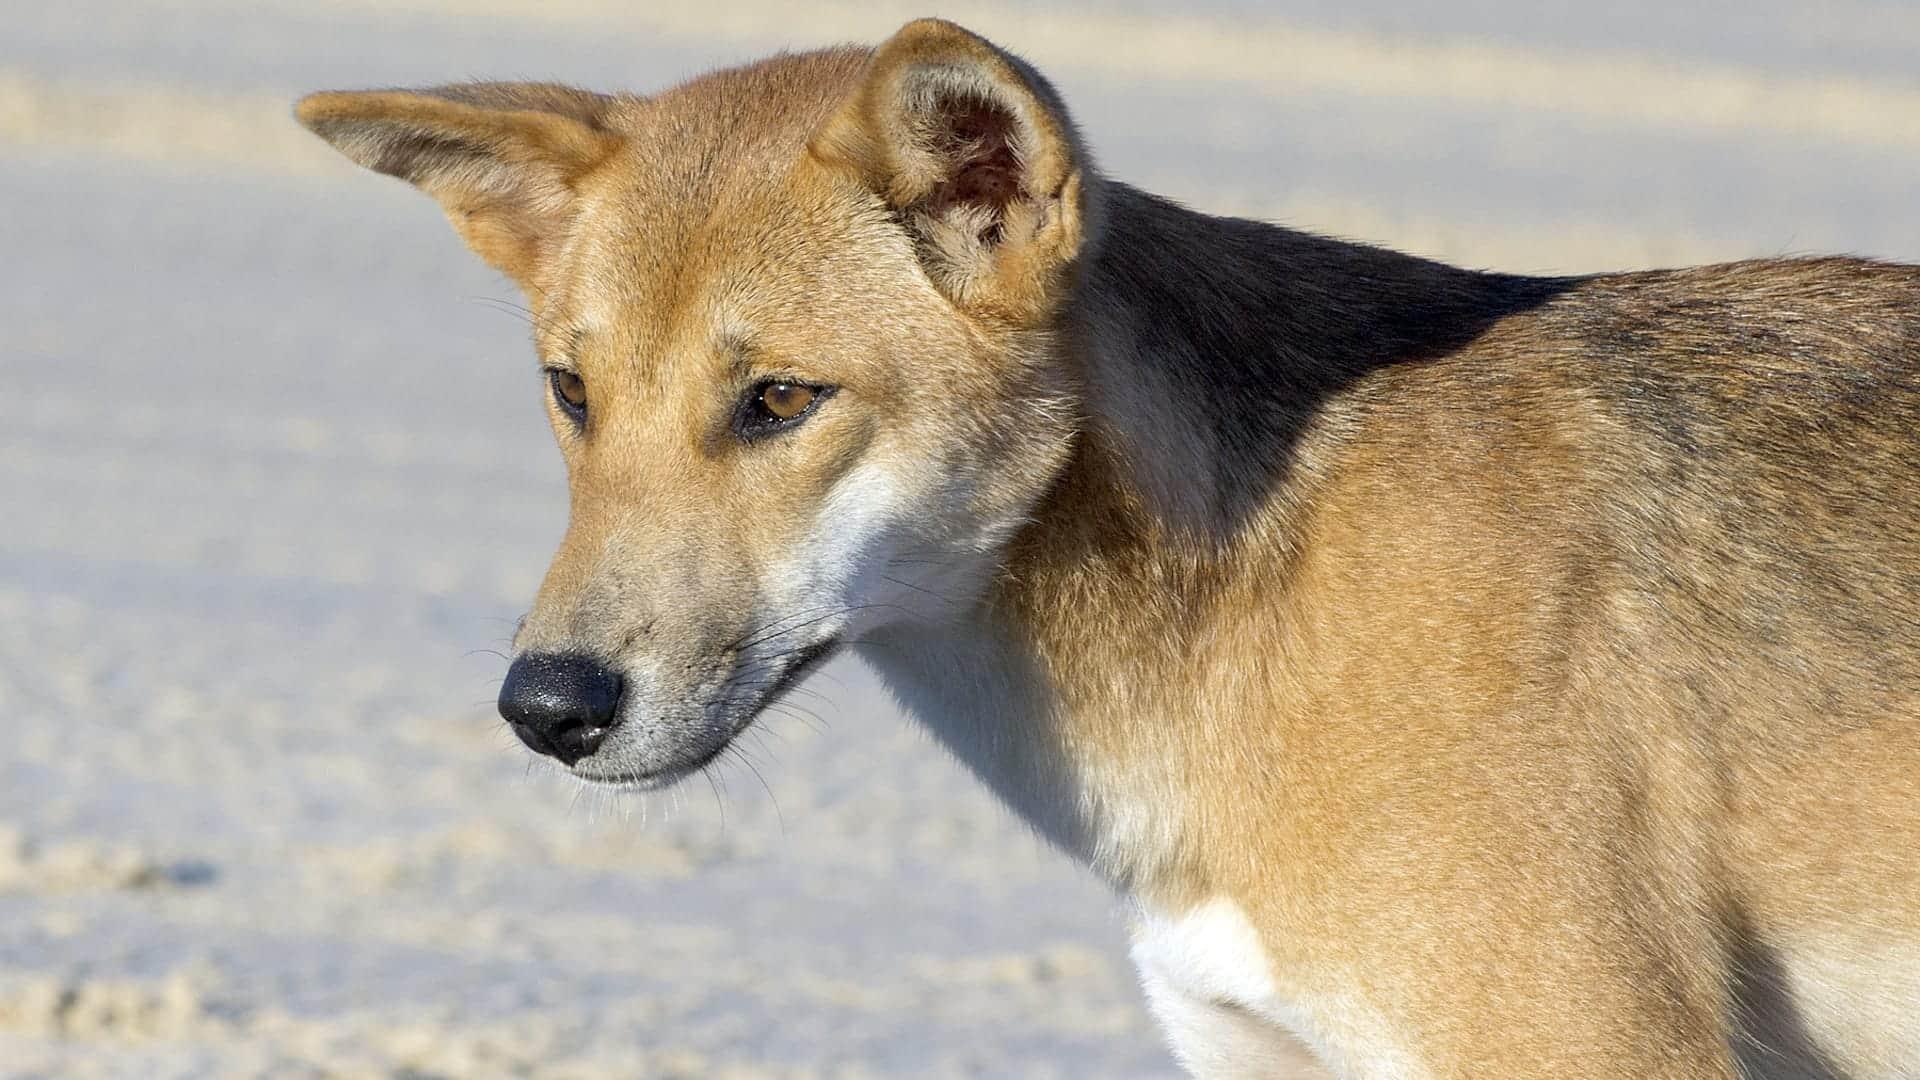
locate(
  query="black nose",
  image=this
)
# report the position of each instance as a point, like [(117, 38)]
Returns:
[(560, 704)]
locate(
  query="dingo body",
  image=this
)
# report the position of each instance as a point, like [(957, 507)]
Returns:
[(1463, 674)]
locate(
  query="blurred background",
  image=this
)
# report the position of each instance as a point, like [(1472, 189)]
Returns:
[(275, 481)]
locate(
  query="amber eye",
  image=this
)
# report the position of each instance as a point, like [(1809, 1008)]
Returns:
[(784, 401), (771, 406), (570, 391)]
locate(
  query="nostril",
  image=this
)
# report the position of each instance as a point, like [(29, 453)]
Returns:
[(532, 737), (562, 705), (577, 740)]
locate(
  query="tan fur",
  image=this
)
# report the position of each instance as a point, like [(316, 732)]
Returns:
[(1530, 667)]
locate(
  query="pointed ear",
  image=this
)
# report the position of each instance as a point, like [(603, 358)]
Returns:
[(501, 158), (975, 154)]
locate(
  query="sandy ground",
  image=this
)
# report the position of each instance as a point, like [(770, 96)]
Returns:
[(274, 481)]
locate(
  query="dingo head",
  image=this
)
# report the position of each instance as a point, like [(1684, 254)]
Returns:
[(798, 325)]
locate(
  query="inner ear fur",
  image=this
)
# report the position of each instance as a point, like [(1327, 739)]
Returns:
[(974, 153), (502, 159)]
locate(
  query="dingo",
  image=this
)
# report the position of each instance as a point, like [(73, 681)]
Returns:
[(1461, 674)]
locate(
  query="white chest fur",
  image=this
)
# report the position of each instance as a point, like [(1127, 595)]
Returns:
[(1210, 984), (1210, 952)]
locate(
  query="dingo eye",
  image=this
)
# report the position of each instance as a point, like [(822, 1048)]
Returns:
[(570, 390), (774, 405), (784, 401)]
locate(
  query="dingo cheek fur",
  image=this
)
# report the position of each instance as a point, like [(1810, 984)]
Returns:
[(1461, 674)]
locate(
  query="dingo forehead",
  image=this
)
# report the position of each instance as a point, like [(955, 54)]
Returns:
[(708, 224)]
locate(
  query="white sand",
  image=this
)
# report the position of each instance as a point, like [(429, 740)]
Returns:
[(272, 469)]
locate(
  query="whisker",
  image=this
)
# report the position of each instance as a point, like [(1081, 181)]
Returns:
[(949, 601), (717, 800), (813, 723), (741, 754)]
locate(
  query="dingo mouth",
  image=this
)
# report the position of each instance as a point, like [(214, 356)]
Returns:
[(797, 666)]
